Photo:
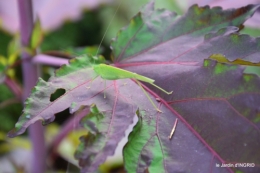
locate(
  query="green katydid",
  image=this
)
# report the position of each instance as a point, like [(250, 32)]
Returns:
[(108, 72)]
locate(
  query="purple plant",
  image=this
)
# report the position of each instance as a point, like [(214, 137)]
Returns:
[(200, 56), (30, 78)]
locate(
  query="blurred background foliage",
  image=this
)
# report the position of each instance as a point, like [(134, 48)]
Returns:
[(84, 30)]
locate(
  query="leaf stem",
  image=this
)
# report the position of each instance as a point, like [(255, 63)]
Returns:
[(71, 124), (14, 87), (49, 60), (9, 102)]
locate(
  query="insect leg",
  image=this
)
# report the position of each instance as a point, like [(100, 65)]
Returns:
[(148, 96), (92, 81), (161, 89)]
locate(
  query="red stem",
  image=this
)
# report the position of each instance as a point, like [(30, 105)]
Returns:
[(71, 124), (14, 87), (30, 78)]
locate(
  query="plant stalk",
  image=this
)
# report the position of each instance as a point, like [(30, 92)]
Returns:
[(14, 87), (30, 78), (71, 124), (49, 60)]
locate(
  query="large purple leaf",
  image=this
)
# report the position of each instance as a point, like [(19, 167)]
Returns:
[(160, 35), (79, 90), (219, 111), (216, 104), (114, 101)]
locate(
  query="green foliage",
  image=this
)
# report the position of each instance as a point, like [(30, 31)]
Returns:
[(37, 35), (83, 32), (5, 39), (254, 32), (13, 50), (10, 109)]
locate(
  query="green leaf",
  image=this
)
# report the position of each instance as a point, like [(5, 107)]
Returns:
[(14, 47), (37, 35), (221, 58), (5, 39), (3, 66), (93, 50)]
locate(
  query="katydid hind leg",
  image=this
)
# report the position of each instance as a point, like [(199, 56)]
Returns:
[(161, 89), (92, 81), (149, 98)]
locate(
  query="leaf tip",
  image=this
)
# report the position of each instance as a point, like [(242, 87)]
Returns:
[(16, 131), (12, 133)]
